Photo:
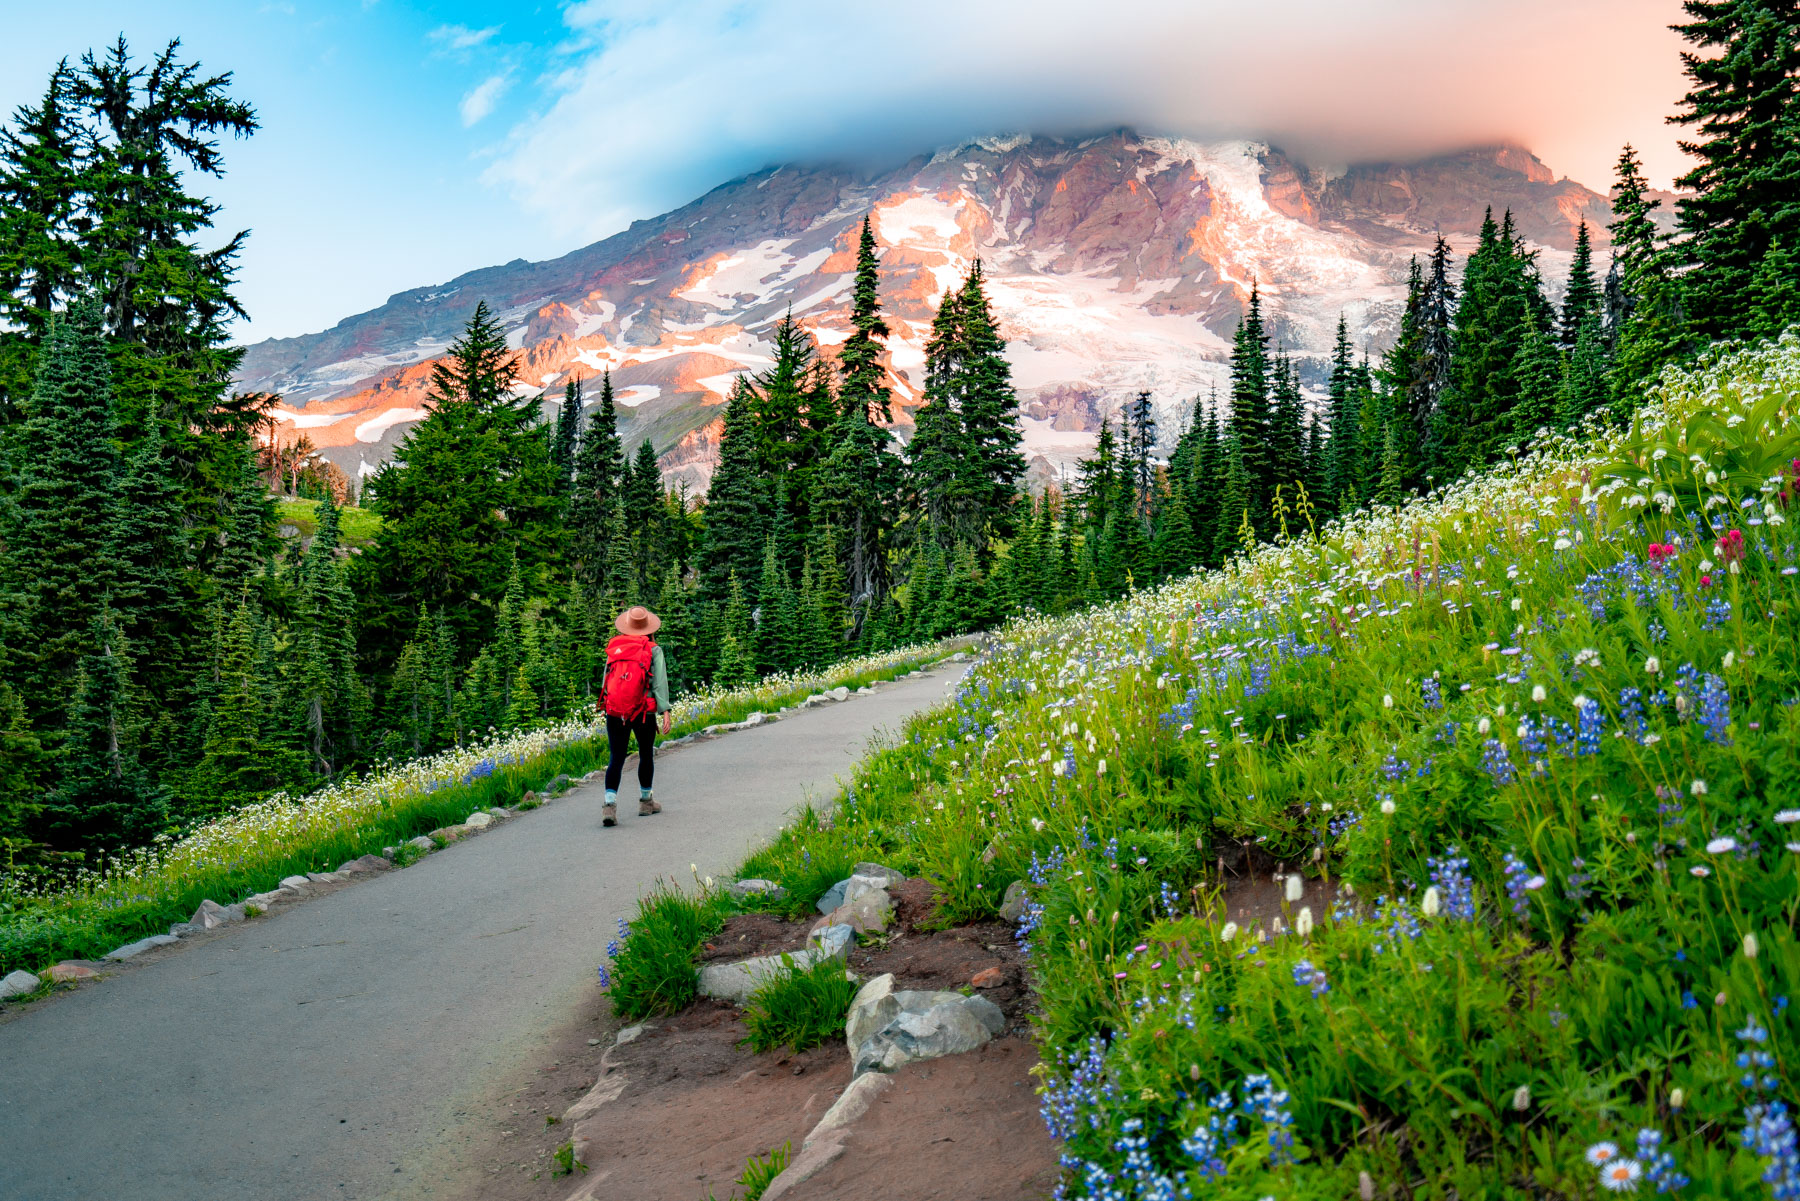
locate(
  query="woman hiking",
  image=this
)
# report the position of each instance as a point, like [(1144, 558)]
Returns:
[(635, 691)]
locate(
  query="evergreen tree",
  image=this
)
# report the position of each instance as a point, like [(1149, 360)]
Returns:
[(568, 433), (104, 799), (1250, 415), (737, 504), (1776, 292), (599, 466), (1139, 444), (1287, 457), (1235, 497), (1343, 454), (865, 380), (1432, 408), (150, 590), (470, 490), (40, 251), (990, 419), (1647, 316), (1584, 380), (1743, 107), (1581, 300), (643, 517), (58, 535), (1539, 374)]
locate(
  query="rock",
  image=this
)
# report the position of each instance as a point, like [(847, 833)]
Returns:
[(183, 929), (947, 1028), (598, 774), (960, 657), (297, 883), (499, 814), (211, 915), (735, 982), (840, 693), (447, 834), (388, 853), (872, 1008), (864, 690), (887, 876), (607, 1090), (834, 896), (262, 900), (813, 1159), (119, 954), (478, 821), (365, 863), (835, 941), (324, 877), (18, 984), (754, 720), (991, 977), (530, 800), (868, 913), (71, 970), (558, 783), (630, 1034), (987, 1013), (1012, 905), (422, 843), (741, 889), (851, 1104)]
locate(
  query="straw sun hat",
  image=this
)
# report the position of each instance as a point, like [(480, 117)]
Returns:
[(639, 621)]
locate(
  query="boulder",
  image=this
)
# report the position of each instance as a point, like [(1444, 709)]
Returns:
[(18, 984), (478, 821), (262, 900), (987, 1013), (447, 834), (886, 876), (872, 1008), (1012, 905), (324, 877), (422, 843), (740, 889), (631, 1033), (840, 693), (71, 970), (211, 915), (499, 814), (735, 982), (558, 783), (297, 883), (868, 913), (834, 941), (834, 896), (948, 1028), (183, 929), (851, 1104)]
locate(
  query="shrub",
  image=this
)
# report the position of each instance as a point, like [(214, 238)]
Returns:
[(799, 1007), (653, 957)]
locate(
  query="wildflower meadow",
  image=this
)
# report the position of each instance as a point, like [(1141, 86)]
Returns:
[(1526, 754)]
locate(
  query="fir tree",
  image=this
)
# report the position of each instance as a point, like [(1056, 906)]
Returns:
[(1581, 299), (568, 433), (599, 466), (1539, 375), (1584, 380), (737, 504), (1250, 415), (1140, 444), (1343, 454), (1431, 407), (1776, 292), (865, 380), (1647, 319)]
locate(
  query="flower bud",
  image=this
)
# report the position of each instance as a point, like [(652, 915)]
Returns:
[(1193, 1071), (1653, 665), (1387, 700), (1538, 694), (1677, 1098), (1522, 1098), (1229, 932), (1432, 903), (1296, 887), (1303, 923), (1387, 806), (1750, 946), (1365, 1186)]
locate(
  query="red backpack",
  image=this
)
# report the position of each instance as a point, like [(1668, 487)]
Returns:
[(626, 691)]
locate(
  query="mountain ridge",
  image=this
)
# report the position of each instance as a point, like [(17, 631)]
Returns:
[(1117, 262)]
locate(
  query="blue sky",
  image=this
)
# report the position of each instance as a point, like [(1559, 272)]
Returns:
[(404, 142)]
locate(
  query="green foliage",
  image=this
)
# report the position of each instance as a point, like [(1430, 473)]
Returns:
[(653, 961), (760, 1171), (799, 1007)]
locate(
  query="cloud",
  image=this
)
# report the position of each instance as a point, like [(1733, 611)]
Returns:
[(657, 100), (461, 37), (481, 99)]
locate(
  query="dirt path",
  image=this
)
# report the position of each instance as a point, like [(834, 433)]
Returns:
[(346, 1047)]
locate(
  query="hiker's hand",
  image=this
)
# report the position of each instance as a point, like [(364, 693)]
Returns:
[(668, 723)]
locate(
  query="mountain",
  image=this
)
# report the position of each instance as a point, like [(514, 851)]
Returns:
[(1116, 264)]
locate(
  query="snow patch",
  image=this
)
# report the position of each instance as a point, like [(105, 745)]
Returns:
[(372, 429), (720, 384), (636, 395), (919, 219), (307, 421)]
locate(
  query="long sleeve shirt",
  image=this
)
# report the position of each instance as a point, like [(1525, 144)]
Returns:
[(659, 680)]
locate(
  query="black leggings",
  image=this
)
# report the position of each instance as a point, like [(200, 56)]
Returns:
[(618, 742)]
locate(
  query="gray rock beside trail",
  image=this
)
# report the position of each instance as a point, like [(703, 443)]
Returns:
[(262, 900), (479, 821), (848, 889), (140, 946), (324, 877), (735, 982), (840, 693), (835, 941), (421, 843), (886, 1030), (211, 915), (887, 877), (295, 882), (1012, 905), (868, 913), (365, 863), (740, 889), (558, 783), (17, 984)]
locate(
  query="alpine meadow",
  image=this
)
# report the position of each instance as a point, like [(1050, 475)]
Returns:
[(1389, 767)]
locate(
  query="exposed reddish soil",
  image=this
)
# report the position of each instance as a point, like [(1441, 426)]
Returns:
[(697, 1105)]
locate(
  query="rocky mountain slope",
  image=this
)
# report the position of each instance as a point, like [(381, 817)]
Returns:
[(1117, 263)]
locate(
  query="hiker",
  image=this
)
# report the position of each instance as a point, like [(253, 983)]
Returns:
[(635, 691)]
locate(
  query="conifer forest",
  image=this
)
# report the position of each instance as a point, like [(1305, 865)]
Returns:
[(166, 655)]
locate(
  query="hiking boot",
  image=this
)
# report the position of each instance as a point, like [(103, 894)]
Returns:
[(646, 807), (609, 814)]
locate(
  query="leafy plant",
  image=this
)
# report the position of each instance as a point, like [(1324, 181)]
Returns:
[(653, 957), (799, 1007), (566, 1163)]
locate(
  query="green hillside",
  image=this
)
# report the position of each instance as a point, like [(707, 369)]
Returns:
[(1529, 741)]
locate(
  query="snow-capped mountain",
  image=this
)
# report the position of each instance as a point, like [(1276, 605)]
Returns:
[(1116, 264)]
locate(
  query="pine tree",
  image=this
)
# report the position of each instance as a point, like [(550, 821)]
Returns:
[(1743, 107), (240, 761), (643, 517), (938, 455), (1539, 374), (1287, 452), (470, 490), (865, 380), (150, 555), (1581, 300), (737, 504), (990, 413), (1234, 498), (327, 695), (1431, 406), (1776, 292), (599, 465), (568, 433), (1250, 413), (1343, 454), (1139, 445), (1647, 328), (1584, 381), (245, 538), (104, 800), (58, 535), (40, 171)]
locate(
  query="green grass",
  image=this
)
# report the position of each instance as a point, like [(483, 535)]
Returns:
[(357, 525), (252, 850), (799, 1008), (653, 957), (1560, 771)]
